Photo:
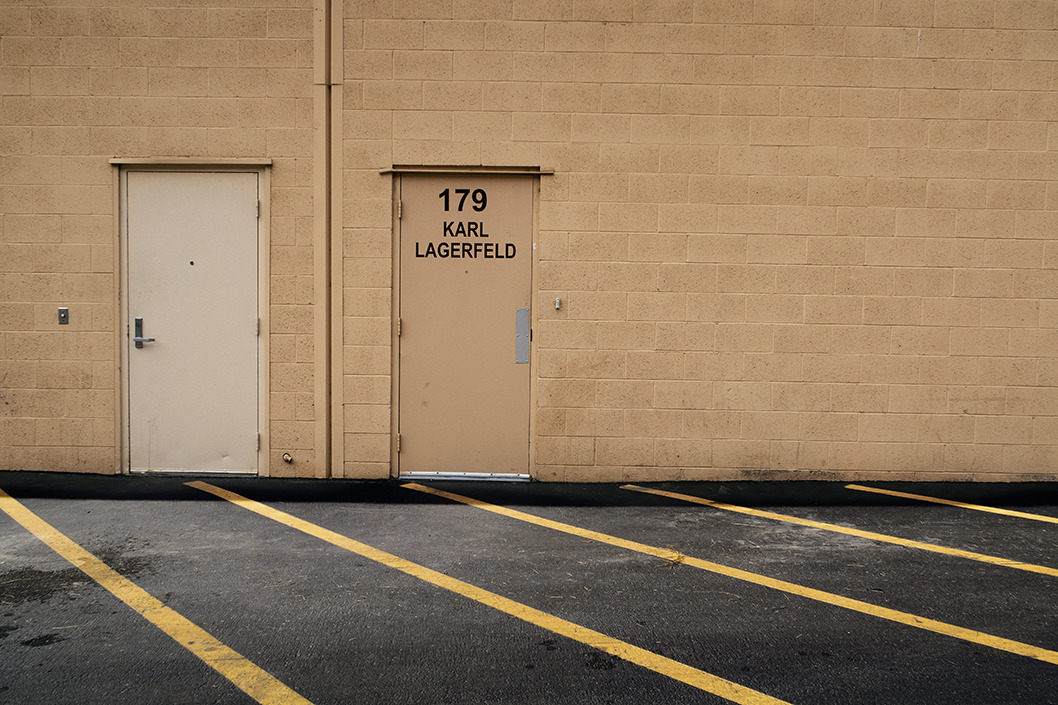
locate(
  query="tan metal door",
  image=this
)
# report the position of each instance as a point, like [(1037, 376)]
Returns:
[(466, 253), (191, 245)]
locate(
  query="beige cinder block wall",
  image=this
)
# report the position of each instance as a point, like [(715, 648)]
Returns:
[(795, 238), (82, 83)]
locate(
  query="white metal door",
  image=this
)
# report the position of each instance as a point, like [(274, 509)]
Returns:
[(191, 246)]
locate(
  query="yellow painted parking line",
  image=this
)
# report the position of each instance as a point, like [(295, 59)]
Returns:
[(675, 557), (247, 676), (953, 503), (647, 659), (885, 538)]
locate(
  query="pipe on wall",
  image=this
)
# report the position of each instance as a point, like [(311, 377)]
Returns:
[(327, 272)]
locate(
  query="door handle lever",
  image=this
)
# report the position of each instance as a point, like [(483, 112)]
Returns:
[(138, 338)]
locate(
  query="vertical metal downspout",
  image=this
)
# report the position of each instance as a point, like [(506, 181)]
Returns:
[(321, 240), (335, 312)]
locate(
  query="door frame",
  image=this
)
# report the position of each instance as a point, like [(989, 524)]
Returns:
[(261, 167), (397, 172)]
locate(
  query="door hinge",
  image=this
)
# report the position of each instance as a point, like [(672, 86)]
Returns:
[(398, 442), (258, 442), (258, 326), (398, 327), (400, 209), (258, 209)]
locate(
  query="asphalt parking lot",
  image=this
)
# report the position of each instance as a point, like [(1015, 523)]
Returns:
[(240, 590)]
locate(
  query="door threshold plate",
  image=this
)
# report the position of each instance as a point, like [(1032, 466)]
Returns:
[(194, 473), (475, 476)]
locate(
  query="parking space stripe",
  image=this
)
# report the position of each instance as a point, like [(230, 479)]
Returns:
[(675, 557), (647, 659), (953, 503), (244, 674), (885, 538)]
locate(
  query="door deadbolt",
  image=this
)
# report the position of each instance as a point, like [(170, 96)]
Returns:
[(138, 338)]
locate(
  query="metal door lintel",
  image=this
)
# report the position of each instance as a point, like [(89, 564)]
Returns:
[(470, 170)]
